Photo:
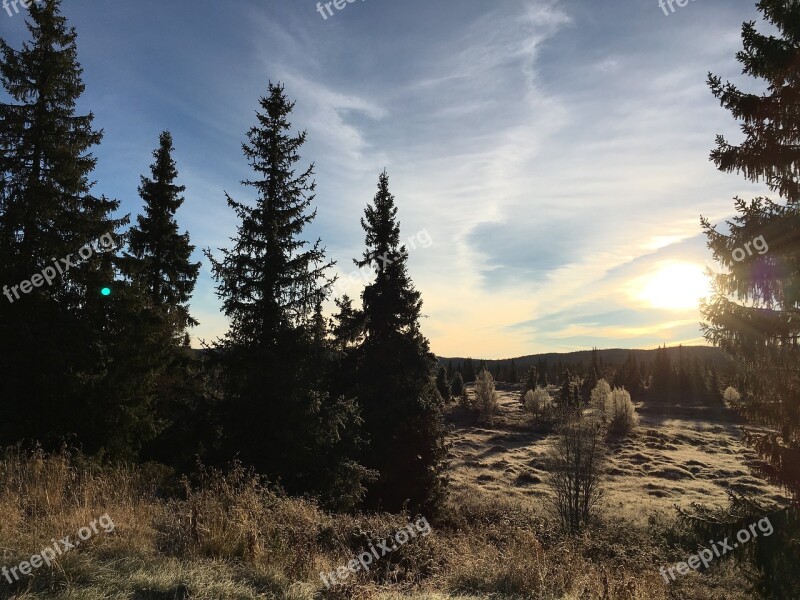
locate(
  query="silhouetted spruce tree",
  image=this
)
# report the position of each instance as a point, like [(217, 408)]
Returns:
[(159, 266), (629, 377), (341, 440), (159, 260), (588, 384), (760, 326), (530, 383), (543, 371), (469, 371), (714, 387), (280, 417), (60, 340), (442, 383), (402, 409), (347, 334), (570, 396), (663, 378), (497, 372), (348, 325), (698, 381), (512, 372), (457, 385)]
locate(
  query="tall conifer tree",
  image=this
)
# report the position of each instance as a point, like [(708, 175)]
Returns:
[(396, 381), (760, 325), (160, 258), (159, 266), (271, 282), (57, 339), (443, 383)]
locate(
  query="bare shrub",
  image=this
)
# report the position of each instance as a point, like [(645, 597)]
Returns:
[(575, 471), (486, 396), (538, 402)]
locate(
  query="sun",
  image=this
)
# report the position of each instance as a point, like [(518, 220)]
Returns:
[(675, 286)]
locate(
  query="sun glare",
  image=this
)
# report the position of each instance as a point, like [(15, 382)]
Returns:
[(677, 286)]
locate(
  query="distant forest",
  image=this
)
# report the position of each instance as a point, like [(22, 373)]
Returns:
[(692, 373), (581, 358)]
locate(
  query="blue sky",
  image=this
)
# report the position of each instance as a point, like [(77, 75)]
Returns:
[(555, 153)]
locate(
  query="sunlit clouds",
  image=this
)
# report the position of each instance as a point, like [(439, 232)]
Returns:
[(676, 286), (557, 153)]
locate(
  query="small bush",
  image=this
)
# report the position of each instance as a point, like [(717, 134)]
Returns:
[(486, 396), (615, 407), (620, 412), (599, 395), (732, 397), (575, 470), (538, 402)]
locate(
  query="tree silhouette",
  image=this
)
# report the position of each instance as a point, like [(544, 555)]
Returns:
[(279, 416), (61, 341), (760, 326), (402, 409)]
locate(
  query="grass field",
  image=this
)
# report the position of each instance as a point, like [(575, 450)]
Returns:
[(678, 455), (230, 537)]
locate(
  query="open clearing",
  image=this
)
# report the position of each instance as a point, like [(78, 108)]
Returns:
[(677, 455)]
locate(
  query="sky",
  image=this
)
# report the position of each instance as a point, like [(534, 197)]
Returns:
[(549, 159)]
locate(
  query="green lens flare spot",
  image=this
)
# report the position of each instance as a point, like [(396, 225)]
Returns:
[(106, 291)]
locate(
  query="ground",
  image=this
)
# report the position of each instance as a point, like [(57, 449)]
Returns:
[(232, 538), (677, 455)]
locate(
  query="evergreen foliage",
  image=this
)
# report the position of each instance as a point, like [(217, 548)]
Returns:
[(395, 381), (281, 417), (457, 385), (753, 314), (486, 396), (442, 383), (67, 368), (158, 265)]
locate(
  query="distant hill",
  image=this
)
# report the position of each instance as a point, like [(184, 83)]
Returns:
[(612, 356)]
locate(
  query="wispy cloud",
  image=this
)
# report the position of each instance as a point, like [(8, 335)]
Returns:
[(557, 153)]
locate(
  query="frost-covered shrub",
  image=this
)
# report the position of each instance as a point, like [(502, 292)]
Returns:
[(538, 401), (620, 412), (732, 397), (599, 395), (486, 396)]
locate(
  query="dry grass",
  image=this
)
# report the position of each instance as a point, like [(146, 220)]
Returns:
[(230, 536), (676, 456)]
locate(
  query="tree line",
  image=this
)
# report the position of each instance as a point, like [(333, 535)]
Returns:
[(686, 380), (345, 408)]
